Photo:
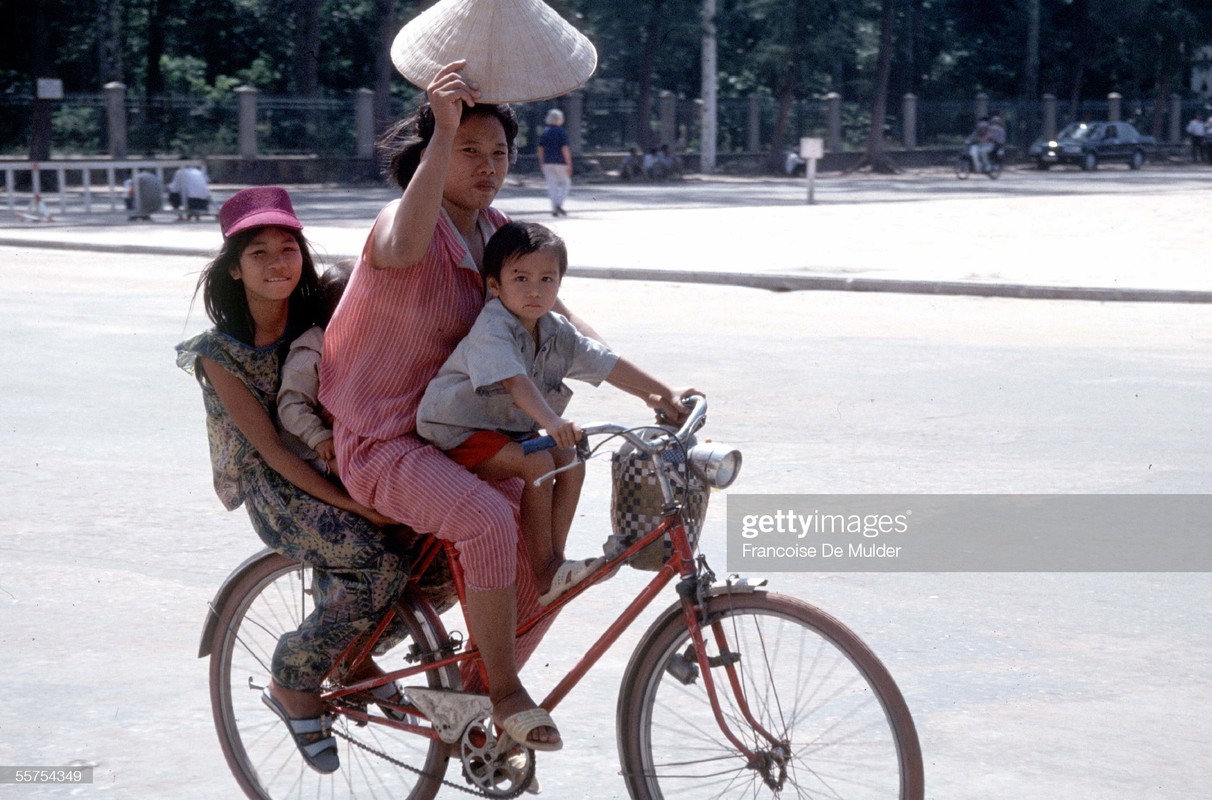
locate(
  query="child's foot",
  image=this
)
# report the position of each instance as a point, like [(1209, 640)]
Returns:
[(568, 575)]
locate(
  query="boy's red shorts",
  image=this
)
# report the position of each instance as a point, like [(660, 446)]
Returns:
[(478, 448)]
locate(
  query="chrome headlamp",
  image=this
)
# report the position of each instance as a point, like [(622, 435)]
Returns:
[(716, 464)]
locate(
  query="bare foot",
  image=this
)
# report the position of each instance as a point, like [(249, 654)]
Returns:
[(544, 575), (514, 702), (299, 705)]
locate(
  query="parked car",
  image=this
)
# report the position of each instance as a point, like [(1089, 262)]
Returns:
[(1088, 144)]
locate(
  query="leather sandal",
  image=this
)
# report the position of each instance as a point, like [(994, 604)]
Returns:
[(320, 754)]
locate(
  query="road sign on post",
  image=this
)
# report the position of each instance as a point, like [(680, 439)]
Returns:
[(811, 149), (49, 89)]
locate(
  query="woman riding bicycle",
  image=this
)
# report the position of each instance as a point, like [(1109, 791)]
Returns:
[(414, 294)]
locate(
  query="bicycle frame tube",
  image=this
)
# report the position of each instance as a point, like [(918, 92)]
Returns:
[(681, 563), (616, 628)]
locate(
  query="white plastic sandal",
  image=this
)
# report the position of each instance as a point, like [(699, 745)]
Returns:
[(567, 576)]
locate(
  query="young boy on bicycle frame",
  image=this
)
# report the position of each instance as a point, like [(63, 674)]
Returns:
[(504, 381)]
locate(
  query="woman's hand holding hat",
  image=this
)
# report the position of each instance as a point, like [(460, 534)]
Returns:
[(447, 92)]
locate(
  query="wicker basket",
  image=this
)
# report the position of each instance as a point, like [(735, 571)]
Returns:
[(636, 503)]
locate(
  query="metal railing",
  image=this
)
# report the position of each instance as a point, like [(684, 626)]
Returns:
[(88, 183)]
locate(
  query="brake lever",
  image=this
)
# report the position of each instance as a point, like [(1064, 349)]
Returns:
[(584, 453)]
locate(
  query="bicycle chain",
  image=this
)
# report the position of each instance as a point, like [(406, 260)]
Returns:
[(396, 762)]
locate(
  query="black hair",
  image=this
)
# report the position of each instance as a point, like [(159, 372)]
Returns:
[(227, 305), (401, 145), (514, 239), (333, 281)]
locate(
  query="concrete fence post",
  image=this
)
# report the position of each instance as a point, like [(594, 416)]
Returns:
[(248, 121), (833, 114), (115, 116), (1115, 102), (909, 121), (1050, 116), (753, 143), (364, 123)]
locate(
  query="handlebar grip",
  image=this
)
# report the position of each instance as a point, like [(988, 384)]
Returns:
[(536, 444)]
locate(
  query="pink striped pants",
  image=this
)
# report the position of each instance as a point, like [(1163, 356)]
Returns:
[(413, 482)]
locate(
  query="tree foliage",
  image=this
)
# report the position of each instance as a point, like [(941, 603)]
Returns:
[(787, 50)]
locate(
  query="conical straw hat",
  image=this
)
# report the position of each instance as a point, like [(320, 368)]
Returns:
[(518, 51)]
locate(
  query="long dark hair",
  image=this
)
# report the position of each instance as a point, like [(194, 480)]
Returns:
[(227, 305), (401, 145)]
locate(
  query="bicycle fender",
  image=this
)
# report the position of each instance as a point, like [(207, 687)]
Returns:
[(229, 583)]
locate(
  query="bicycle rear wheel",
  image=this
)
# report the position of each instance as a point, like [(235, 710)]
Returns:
[(271, 598), (843, 729)]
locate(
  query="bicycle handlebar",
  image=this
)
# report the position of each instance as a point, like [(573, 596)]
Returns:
[(694, 421)]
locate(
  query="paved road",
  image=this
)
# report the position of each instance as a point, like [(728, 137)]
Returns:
[(1023, 685)]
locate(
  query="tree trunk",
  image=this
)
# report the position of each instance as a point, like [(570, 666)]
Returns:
[(43, 67), (307, 48), (648, 57), (155, 49), (1082, 46), (384, 69), (1075, 96), (1164, 81), (874, 158), (788, 86), (306, 67), (775, 158), (1029, 89), (109, 41)]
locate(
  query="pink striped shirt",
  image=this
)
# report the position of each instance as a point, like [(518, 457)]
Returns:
[(394, 329)]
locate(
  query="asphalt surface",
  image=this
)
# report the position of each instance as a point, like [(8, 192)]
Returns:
[(1049, 685), (1113, 234)]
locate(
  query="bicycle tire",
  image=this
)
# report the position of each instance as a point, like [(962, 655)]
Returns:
[(807, 679), (963, 167), (269, 599)]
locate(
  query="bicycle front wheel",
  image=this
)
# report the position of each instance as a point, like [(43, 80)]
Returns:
[(271, 598), (815, 706)]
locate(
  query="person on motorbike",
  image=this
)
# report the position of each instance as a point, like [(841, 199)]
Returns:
[(997, 138)]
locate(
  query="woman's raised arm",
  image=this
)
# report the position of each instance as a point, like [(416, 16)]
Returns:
[(403, 230)]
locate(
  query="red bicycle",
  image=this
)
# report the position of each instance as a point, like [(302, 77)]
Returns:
[(733, 692)]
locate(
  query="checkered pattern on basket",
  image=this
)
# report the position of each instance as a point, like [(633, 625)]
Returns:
[(636, 503)]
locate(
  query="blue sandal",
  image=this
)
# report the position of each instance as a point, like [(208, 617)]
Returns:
[(320, 754)]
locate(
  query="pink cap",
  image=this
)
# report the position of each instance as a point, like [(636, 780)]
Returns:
[(258, 207)]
